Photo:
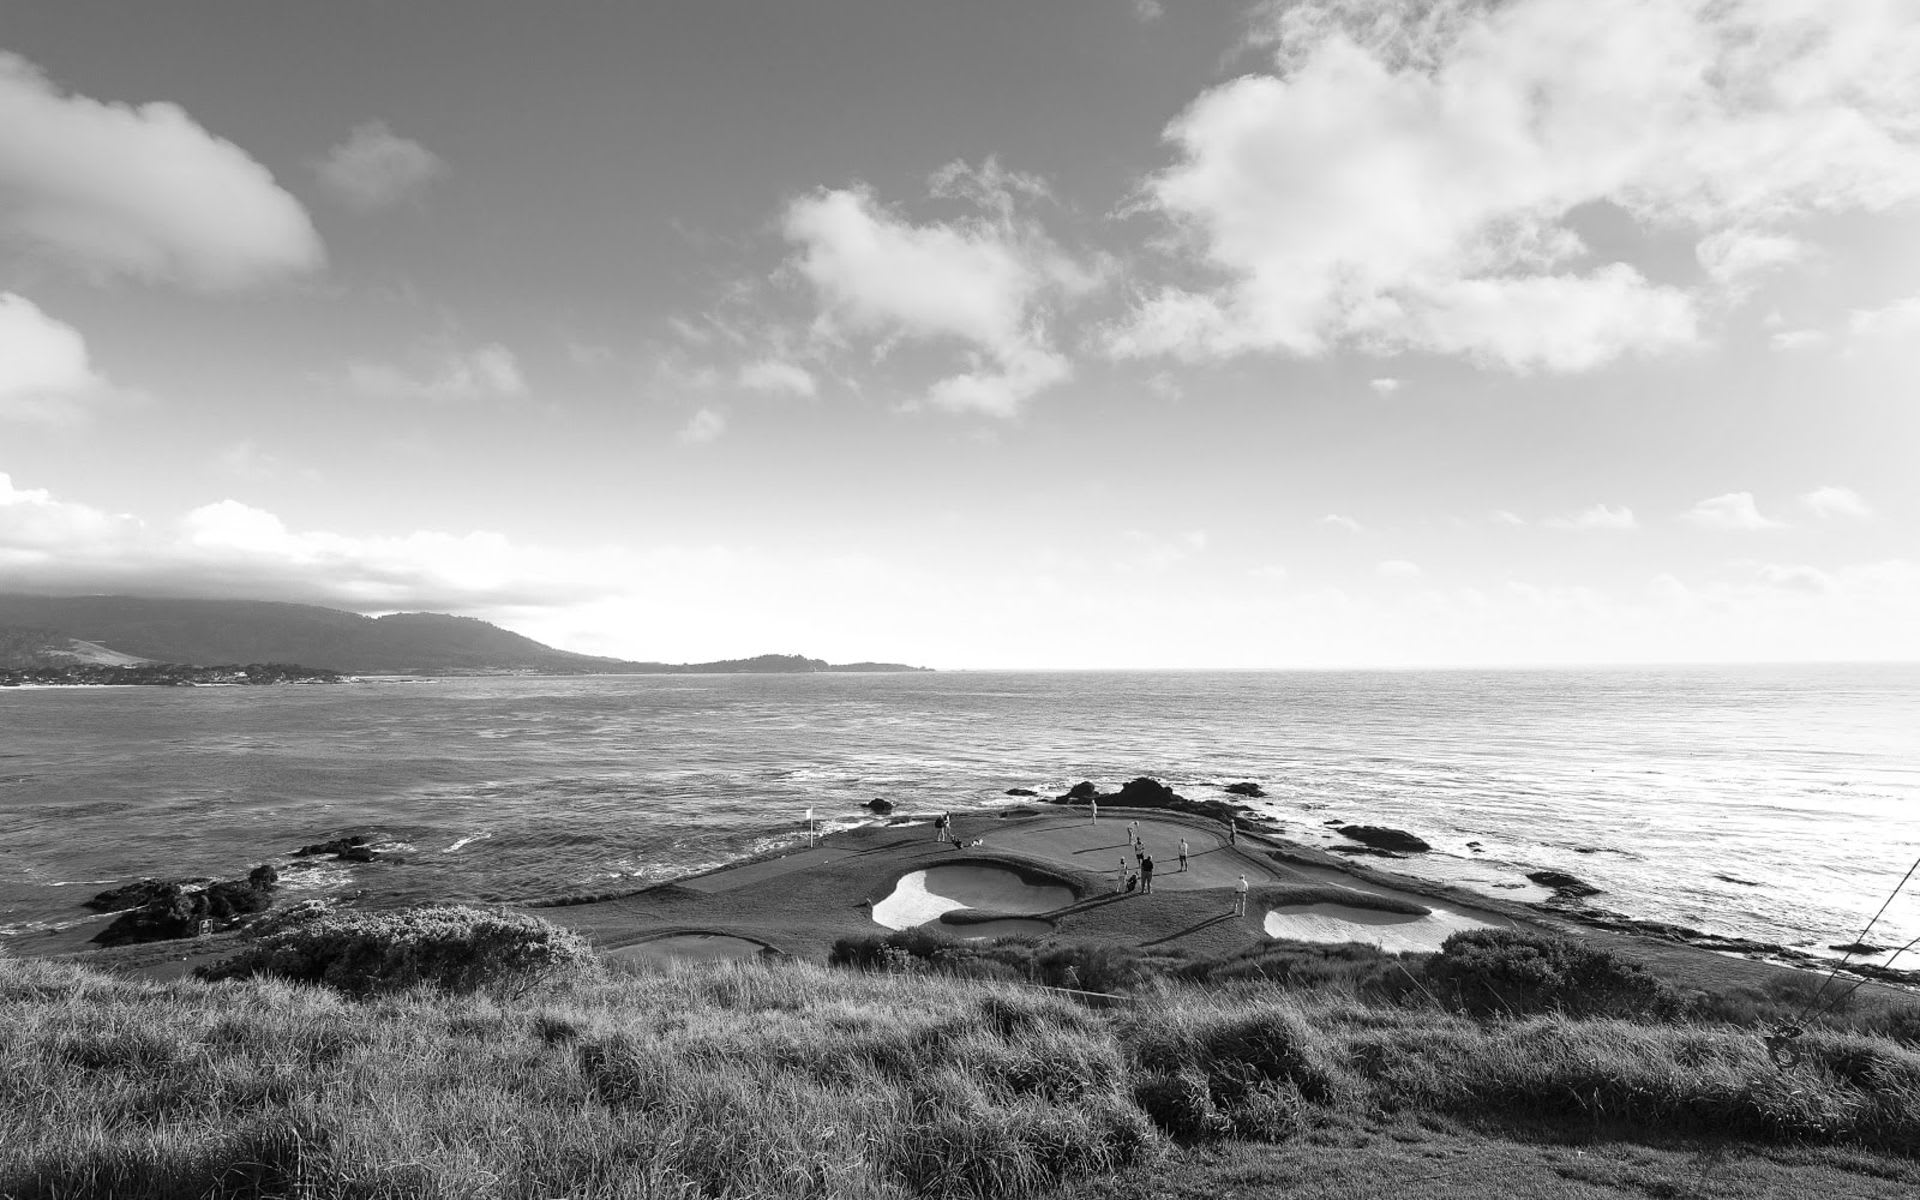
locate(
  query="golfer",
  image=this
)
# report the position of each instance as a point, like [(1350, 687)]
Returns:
[(1133, 832), (1093, 807), (1240, 897), (1146, 873), (1183, 854)]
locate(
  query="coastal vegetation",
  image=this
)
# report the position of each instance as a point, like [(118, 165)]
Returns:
[(936, 1069), (165, 675)]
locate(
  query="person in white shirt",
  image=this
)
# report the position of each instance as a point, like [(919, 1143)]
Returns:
[(1240, 897)]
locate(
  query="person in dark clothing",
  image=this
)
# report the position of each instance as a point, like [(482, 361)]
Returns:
[(1146, 873)]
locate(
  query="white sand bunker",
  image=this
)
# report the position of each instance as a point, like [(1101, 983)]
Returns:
[(923, 895), (692, 947), (1396, 933)]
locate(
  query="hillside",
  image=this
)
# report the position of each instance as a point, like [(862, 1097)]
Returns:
[(43, 631)]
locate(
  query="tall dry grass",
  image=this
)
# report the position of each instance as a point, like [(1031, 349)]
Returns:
[(795, 1080)]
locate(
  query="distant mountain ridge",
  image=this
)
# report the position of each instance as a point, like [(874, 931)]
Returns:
[(39, 631)]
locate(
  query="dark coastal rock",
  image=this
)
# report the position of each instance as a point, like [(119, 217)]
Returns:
[(1146, 793), (1382, 838), (1022, 792), (1736, 879), (1080, 793), (179, 911), (336, 846), (1252, 790), (881, 805), (1859, 948), (1476, 847), (1565, 887), (139, 892), (1335, 821), (1372, 851)]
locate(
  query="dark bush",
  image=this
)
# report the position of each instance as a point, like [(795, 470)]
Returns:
[(452, 948), (1181, 1103), (1511, 972)]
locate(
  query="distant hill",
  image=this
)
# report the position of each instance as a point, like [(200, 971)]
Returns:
[(41, 631)]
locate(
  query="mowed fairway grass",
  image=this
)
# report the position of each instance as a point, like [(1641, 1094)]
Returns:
[(787, 1079)]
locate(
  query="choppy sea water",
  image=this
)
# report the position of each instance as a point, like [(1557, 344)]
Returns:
[(1780, 803)]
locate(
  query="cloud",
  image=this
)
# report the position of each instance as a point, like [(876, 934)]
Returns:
[(1896, 322), (1799, 339), (1397, 568), (45, 375), (1841, 502), (1419, 176), (1734, 511), (986, 283), (1346, 523), (1737, 258), (774, 375), (703, 427), (489, 371), (375, 168), (1386, 387), (1600, 516), (143, 191), (1148, 11), (1501, 516)]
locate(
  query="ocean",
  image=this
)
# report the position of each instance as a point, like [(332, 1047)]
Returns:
[(1775, 802)]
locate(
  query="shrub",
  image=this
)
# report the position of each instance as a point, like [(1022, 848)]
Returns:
[(1511, 972), (1247, 1072), (453, 948)]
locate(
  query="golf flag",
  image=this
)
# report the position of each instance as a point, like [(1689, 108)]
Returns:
[(809, 812)]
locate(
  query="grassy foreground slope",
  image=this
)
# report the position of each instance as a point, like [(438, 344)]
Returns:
[(786, 1079)]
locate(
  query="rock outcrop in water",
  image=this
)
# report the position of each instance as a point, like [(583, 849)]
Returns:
[(1252, 791), (1566, 888), (1379, 837), (357, 847), (180, 910), (1146, 792)]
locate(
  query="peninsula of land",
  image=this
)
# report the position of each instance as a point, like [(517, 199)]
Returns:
[(171, 635)]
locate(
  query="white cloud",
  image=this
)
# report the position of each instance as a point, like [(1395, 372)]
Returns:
[(1346, 523), (984, 283), (1736, 258), (1397, 568), (489, 371), (1799, 339), (1501, 516), (45, 375), (704, 426), (774, 375), (140, 191), (1148, 11), (1735, 511), (1838, 502), (1600, 516), (1386, 387), (1896, 322), (1415, 175), (375, 168)]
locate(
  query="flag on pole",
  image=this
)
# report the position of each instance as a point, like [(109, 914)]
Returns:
[(809, 812)]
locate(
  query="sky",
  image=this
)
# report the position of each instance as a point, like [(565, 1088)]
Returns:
[(1086, 334)]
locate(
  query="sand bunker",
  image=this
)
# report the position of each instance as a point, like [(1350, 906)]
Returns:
[(692, 947), (922, 896), (1397, 933)]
